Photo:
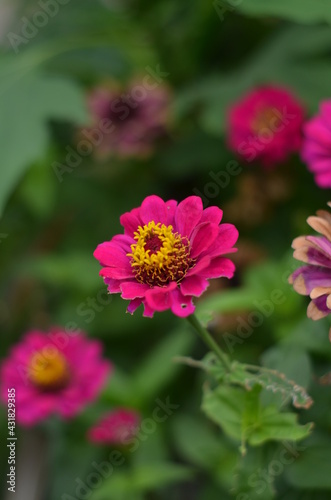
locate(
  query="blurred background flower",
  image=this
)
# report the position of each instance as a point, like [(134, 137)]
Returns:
[(115, 428), (265, 126), (316, 150), (136, 115), (53, 379)]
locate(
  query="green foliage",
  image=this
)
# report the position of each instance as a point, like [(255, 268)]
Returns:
[(25, 121), (240, 411), (304, 474), (293, 363), (65, 270), (253, 477), (264, 282), (158, 369), (303, 11), (241, 416), (198, 443), (155, 372), (144, 478), (247, 376)]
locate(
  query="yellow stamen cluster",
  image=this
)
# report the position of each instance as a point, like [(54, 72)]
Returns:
[(266, 119), (160, 255), (48, 371)]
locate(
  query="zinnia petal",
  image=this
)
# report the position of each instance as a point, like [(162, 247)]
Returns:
[(203, 237), (194, 285), (153, 208), (159, 299), (188, 215), (132, 290)]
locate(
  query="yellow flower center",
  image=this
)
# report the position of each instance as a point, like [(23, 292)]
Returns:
[(265, 119), (160, 255), (48, 370)]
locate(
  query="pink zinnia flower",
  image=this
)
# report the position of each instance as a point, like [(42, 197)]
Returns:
[(116, 427), (51, 379), (266, 126), (136, 117), (314, 279), (316, 149), (167, 254)]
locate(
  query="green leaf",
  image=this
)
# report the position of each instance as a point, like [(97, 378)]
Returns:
[(156, 475), (142, 478), (109, 35), (156, 446), (278, 426), (117, 487), (198, 443), (43, 181), (310, 335), (302, 11), (24, 120), (252, 410), (119, 389), (66, 467), (66, 271), (311, 470), (248, 474), (241, 416), (225, 406), (293, 361), (248, 376)]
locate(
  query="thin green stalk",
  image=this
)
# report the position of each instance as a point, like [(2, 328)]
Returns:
[(208, 339)]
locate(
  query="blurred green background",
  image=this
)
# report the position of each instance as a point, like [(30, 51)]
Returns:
[(212, 53)]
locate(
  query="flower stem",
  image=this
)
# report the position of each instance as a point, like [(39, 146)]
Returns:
[(208, 339)]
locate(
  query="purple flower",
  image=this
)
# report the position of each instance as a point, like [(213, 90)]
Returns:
[(314, 279), (136, 117)]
